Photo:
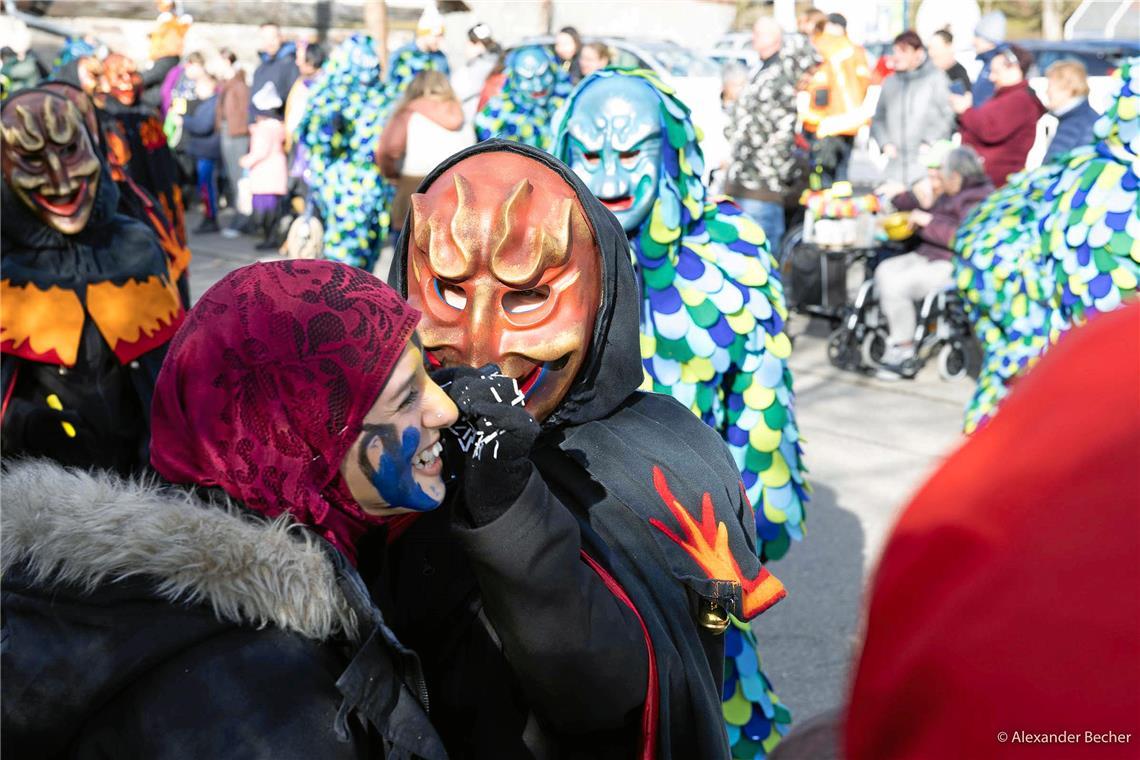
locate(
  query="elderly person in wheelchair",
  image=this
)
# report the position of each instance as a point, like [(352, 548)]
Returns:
[(904, 279)]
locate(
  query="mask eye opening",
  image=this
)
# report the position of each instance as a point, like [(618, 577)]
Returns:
[(525, 301), (450, 294)]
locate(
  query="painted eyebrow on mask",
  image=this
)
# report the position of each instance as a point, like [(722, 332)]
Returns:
[(585, 142), (644, 134)]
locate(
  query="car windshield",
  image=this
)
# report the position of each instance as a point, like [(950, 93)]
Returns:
[(681, 62)]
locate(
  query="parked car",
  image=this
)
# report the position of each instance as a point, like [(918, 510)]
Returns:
[(723, 56), (694, 77), (734, 41)]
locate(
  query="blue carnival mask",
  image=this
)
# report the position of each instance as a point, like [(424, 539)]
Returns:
[(614, 139), (532, 72)]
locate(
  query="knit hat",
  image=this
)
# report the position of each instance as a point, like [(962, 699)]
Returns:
[(430, 23), (991, 27)]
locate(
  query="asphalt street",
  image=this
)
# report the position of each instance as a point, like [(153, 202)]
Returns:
[(868, 443)]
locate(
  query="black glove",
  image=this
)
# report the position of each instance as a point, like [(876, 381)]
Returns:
[(39, 430), (495, 435)]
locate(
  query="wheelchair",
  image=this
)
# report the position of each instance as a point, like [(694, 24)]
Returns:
[(942, 333)]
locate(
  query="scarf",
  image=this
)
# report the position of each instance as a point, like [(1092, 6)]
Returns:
[(266, 386)]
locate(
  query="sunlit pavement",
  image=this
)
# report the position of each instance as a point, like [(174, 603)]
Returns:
[(869, 445)]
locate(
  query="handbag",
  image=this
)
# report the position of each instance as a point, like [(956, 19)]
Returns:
[(305, 239)]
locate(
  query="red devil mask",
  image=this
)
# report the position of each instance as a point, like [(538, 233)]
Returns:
[(505, 269), (120, 79), (48, 159)]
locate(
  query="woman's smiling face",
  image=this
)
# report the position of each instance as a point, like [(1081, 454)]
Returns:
[(394, 466)]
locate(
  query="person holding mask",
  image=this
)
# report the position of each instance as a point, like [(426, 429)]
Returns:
[(594, 56), (1068, 96), (227, 597), (567, 46), (941, 49), (1003, 128), (913, 110), (901, 280), (580, 622)]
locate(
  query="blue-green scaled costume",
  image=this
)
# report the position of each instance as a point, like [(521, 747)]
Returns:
[(341, 129), (403, 66), (523, 110), (712, 327), (1053, 247)]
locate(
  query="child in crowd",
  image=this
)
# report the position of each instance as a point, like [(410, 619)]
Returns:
[(268, 176), (203, 144)]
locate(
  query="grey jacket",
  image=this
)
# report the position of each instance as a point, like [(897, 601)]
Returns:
[(914, 108)]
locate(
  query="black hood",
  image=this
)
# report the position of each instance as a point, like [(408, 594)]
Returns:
[(612, 369)]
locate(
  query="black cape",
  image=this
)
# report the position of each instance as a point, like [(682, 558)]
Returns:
[(604, 452)]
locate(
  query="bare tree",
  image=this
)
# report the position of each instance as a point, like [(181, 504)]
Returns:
[(1052, 21), (376, 24), (548, 15)]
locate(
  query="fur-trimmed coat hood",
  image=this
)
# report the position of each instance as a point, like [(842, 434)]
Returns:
[(69, 527), (141, 620)]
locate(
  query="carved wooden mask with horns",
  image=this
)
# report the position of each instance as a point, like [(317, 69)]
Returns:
[(504, 267)]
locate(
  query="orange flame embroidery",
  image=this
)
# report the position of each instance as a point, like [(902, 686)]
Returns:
[(707, 543), (136, 316), (41, 325), (177, 255)]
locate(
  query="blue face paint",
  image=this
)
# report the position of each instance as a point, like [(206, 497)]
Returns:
[(394, 478), (614, 145)]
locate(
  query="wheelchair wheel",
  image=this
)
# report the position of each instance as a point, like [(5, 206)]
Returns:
[(843, 349), (952, 361), (874, 344)]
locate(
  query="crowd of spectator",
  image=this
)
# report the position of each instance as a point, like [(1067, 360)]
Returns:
[(795, 115)]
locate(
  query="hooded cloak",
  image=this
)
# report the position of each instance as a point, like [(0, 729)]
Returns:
[(656, 495)]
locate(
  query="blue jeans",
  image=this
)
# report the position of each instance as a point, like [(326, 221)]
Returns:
[(770, 217), (208, 188)]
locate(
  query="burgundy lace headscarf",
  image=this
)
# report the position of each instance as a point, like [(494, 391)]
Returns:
[(266, 385)]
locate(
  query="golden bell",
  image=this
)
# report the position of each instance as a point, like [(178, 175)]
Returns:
[(713, 617)]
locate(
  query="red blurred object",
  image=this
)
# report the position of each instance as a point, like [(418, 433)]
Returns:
[(884, 67), (1005, 605)]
